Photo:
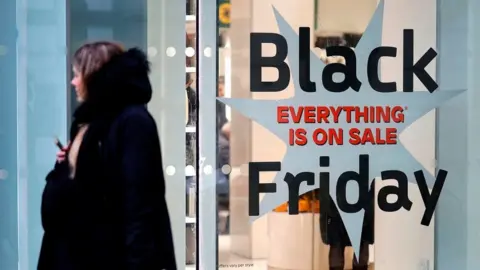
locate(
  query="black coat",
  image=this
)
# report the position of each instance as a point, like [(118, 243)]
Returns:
[(113, 214), (332, 228)]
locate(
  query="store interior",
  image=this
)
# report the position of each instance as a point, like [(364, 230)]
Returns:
[(41, 36)]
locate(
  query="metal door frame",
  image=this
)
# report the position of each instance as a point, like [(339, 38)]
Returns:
[(207, 71)]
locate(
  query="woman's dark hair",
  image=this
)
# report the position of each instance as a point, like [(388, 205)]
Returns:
[(90, 57)]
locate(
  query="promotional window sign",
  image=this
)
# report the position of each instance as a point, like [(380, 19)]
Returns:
[(341, 128)]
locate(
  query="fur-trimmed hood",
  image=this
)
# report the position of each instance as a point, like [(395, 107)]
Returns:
[(121, 82)]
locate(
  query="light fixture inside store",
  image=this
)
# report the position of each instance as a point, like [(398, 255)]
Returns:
[(189, 52)]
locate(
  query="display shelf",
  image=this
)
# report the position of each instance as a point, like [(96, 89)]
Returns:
[(190, 220)]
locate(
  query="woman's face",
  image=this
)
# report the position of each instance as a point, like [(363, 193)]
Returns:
[(77, 82)]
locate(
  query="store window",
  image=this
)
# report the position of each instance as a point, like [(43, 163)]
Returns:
[(8, 138), (33, 110), (200, 52), (278, 240)]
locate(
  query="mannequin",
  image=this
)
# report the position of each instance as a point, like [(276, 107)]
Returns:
[(332, 228)]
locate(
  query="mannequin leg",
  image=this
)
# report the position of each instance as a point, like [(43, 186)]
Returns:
[(336, 257), (362, 263)]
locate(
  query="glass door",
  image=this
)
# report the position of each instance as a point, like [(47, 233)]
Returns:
[(274, 238), (191, 100)]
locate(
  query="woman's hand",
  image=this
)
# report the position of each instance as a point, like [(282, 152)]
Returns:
[(62, 154)]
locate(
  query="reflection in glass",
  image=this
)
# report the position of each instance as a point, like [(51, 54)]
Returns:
[(277, 240)]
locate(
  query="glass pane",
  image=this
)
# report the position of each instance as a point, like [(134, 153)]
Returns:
[(32, 74), (142, 24), (170, 108), (8, 138), (433, 131)]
